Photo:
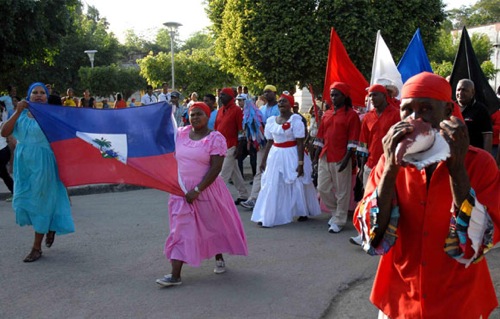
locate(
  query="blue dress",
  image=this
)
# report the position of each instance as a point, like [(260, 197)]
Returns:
[(40, 198)]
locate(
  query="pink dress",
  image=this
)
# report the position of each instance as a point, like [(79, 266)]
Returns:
[(212, 224)]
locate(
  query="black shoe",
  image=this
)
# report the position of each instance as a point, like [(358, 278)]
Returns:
[(239, 200), (302, 218)]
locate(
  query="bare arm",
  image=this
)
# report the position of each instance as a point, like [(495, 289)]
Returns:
[(300, 151), (488, 142), (214, 170), (8, 126)]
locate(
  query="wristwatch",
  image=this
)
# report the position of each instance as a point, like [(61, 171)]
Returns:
[(196, 189)]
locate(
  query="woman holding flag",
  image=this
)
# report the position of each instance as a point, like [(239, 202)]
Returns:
[(204, 222), (40, 198)]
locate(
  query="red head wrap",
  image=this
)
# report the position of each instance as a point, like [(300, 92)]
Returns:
[(228, 91), (342, 87), (202, 106), (290, 98), (427, 85), (378, 88)]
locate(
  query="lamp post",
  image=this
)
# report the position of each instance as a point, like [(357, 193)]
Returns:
[(91, 54), (172, 27)]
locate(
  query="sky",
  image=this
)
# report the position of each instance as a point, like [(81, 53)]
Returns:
[(145, 17)]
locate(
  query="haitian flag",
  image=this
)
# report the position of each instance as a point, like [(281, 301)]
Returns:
[(339, 68), (132, 145), (414, 60), (466, 66)]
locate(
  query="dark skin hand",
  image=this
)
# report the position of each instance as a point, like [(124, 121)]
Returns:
[(453, 131)]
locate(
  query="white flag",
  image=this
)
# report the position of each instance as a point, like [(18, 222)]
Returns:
[(384, 70)]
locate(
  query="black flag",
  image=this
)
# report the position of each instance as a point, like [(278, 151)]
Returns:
[(466, 66)]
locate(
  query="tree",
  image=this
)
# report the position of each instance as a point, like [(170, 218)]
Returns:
[(31, 33), (480, 13), (442, 53), (195, 70), (109, 80), (287, 42)]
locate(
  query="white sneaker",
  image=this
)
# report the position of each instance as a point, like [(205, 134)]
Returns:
[(357, 240), (330, 221), (168, 281), (248, 204), (220, 267), (334, 228)]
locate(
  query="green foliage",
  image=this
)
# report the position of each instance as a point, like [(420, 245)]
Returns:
[(446, 48), (285, 42), (489, 69), (195, 70), (109, 80), (481, 13), (444, 68)]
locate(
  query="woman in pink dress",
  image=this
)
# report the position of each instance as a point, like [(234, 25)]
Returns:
[(205, 222)]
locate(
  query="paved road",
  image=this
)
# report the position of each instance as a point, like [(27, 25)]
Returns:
[(108, 267)]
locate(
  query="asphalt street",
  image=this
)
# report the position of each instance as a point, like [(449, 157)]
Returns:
[(108, 267)]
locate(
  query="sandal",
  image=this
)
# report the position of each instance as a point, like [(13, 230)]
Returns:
[(49, 238), (34, 255)]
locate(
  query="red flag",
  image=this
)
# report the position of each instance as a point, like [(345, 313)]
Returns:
[(339, 68)]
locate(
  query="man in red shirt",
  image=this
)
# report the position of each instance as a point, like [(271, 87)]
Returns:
[(229, 122), (375, 125), (432, 265), (338, 134)]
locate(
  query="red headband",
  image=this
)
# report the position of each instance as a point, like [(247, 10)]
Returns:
[(342, 87), (427, 85), (202, 106), (290, 98), (378, 88), (228, 91)]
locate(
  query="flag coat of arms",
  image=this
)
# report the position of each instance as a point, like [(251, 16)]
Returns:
[(132, 146)]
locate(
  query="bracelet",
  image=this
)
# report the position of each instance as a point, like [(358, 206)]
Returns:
[(301, 162)]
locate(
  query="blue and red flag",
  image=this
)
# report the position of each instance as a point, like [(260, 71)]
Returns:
[(132, 146)]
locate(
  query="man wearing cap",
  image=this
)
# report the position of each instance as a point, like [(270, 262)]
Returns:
[(476, 116), (375, 124), (229, 122), (431, 265), (267, 110), (177, 109), (338, 136)]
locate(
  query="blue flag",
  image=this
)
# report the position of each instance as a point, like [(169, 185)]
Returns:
[(414, 60)]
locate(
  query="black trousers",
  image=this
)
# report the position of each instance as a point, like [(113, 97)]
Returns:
[(4, 174)]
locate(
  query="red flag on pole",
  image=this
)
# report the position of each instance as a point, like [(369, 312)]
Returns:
[(339, 68)]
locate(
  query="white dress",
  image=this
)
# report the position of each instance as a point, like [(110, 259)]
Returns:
[(283, 195)]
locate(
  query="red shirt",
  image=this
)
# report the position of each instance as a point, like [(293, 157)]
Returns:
[(416, 278), (229, 122), (373, 129), (495, 119), (120, 104), (339, 130)]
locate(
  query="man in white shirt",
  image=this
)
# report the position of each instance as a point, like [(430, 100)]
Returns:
[(149, 97), (164, 95)]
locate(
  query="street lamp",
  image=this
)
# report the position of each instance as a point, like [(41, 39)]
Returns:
[(172, 27), (91, 54)]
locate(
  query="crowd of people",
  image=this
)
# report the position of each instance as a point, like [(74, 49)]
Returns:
[(301, 167)]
